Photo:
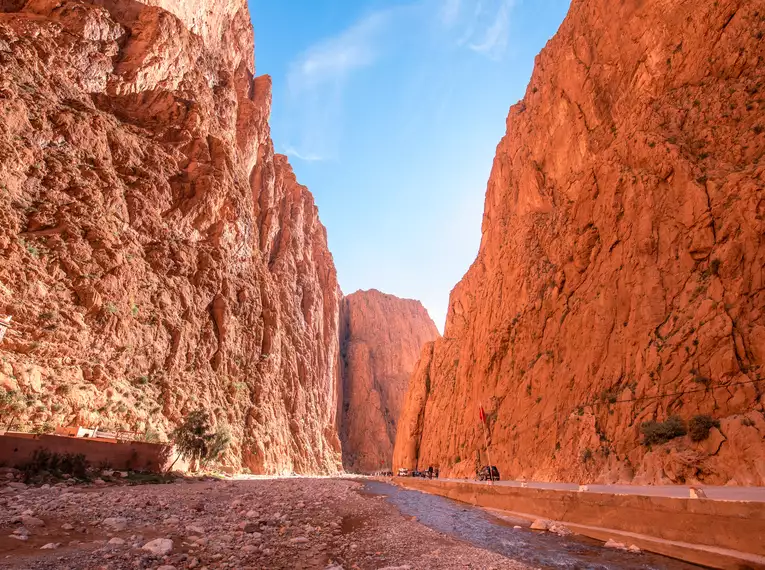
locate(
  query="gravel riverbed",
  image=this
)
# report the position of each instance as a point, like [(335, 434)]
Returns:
[(310, 523)]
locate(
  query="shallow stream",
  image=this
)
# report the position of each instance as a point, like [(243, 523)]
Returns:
[(542, 550)]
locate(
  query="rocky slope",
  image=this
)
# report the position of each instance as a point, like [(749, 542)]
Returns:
[(380, 340), (157, 255), (620, 275)]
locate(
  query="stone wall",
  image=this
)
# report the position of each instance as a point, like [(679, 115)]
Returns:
[(16, 449)]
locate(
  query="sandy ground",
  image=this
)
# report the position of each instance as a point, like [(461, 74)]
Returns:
[(264, 524)]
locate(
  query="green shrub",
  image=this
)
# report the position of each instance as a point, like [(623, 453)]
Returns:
[(699, 427), (43, 463), (151, 435), (661, 432)]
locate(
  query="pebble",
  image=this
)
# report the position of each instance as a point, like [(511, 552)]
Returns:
[(539, 524), (116, 523), (159, 546), (31, 521), (50, 546), (117, 541)]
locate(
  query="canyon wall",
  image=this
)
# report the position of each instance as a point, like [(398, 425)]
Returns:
[(157, 256), (380, 341), (621, 272)]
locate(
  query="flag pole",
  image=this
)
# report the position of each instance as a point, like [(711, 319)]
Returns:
[(482, 415)]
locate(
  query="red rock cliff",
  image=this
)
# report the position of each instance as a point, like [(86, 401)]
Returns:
[(621, 273), (381, 337), (157, 255)]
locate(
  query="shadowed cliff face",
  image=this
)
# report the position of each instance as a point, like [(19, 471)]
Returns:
[(157, 256), (381, 337), (620, 276)]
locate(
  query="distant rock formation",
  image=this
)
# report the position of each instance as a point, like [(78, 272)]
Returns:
[(157, 256), (380, 341), (621, 273)]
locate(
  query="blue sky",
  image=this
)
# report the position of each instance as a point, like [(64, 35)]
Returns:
[(390, 112)]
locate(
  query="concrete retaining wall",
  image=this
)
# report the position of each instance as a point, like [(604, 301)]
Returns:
[(16, 449), (710, 526)]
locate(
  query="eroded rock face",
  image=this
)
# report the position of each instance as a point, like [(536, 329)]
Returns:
[(620, 275), (381, 337), (157, 256)]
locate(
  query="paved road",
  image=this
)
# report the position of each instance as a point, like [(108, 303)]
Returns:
[(756, 494)]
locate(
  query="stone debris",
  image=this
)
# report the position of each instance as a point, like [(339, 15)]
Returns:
[(559, 529), (611, 543)]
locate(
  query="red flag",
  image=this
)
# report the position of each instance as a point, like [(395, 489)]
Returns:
[(481, 414)]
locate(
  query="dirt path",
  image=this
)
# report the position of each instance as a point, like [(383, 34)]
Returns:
[(260, 524)]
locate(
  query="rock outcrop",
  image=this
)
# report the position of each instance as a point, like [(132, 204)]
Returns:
[(621, 273), (157, 256), (380, 341)]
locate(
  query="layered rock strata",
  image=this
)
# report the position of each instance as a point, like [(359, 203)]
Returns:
[(621, 272), (380, 341), (157, 256)]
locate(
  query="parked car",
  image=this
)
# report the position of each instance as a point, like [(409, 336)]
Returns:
[(488, 473), (403, 472)]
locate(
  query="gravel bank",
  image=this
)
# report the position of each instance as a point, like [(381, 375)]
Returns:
[(253, 524)]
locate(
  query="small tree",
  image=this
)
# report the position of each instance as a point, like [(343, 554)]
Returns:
[(11, 405), (197, 442), (219, 443)]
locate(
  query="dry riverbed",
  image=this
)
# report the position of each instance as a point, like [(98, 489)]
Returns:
[(254, 524)]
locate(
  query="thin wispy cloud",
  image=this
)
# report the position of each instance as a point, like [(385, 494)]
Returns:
[(317, 80), (291, 151), (494, 42), (450, 12), (333, 59), (484, 25)]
